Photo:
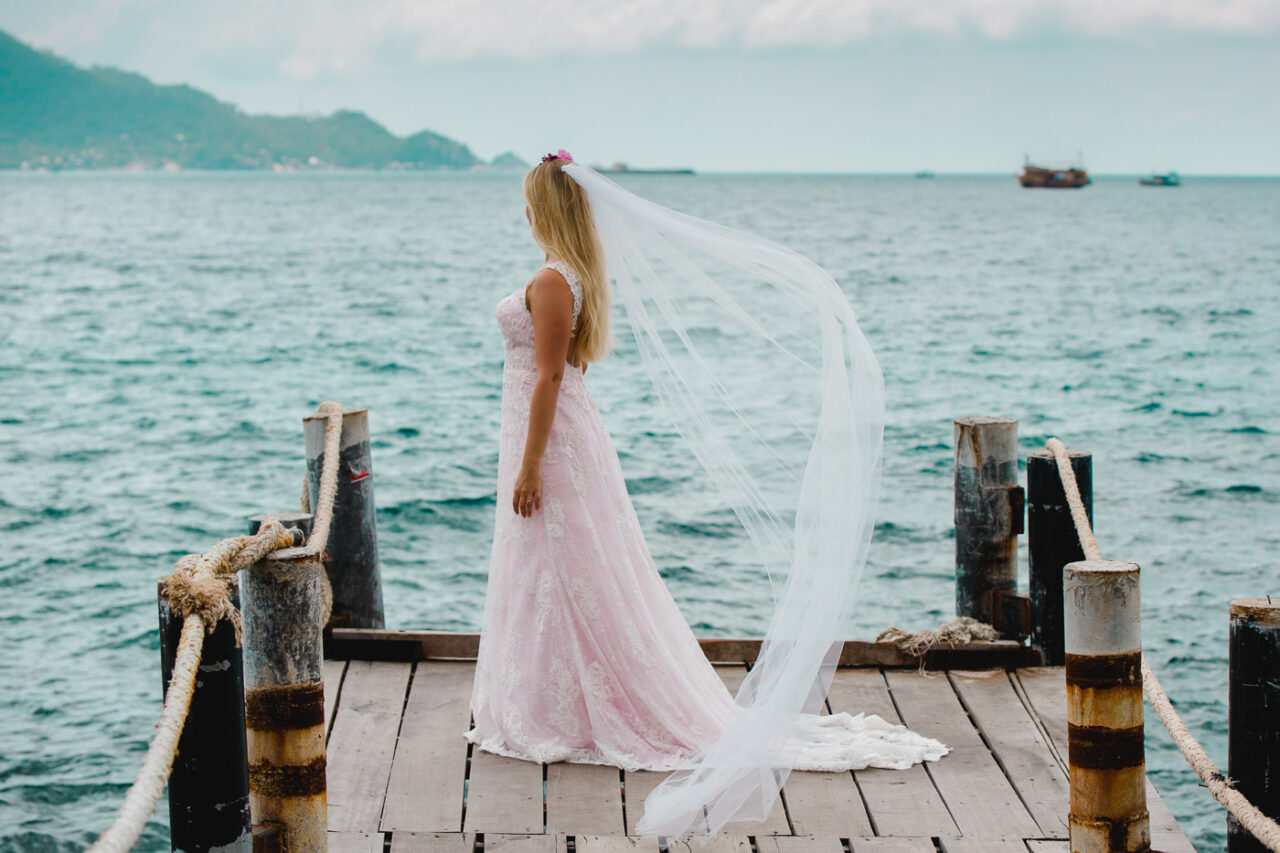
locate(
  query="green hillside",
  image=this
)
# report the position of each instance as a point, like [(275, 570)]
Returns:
[(55, 115)]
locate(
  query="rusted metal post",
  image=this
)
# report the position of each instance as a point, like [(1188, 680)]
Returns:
[(988, 519), (284, 696), (1052, 542), (1104, 708), (1253, 739), (209, 784), (351, 554)]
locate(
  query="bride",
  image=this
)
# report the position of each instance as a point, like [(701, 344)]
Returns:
[(584, 656)]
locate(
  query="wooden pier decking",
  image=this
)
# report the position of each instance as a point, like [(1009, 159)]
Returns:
[(401, 774)]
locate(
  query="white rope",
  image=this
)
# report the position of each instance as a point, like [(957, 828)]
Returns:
[(1263, 828)]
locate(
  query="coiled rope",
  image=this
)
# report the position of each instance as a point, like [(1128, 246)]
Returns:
[(1264, 829), (199, 591)]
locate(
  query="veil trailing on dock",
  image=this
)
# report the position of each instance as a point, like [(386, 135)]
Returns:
[(758, 357)]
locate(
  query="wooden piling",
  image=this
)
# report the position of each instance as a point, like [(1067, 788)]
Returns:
[(1104, 708), (284, 696), (209, 784), (988, 519), (1052, 542), (351, 553), (1253, 739)]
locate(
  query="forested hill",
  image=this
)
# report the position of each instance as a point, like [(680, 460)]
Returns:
[(56, 115)]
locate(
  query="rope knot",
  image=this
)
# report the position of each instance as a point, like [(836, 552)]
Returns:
[(208, 596)]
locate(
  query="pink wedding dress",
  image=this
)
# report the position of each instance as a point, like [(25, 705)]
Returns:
[(584, 655)]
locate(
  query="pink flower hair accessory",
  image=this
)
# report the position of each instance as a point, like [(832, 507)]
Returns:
[(559, 155)]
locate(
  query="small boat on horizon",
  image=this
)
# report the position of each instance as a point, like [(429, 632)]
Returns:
[(623, 168), (1066, 177), (925, 173), (1168, 179)]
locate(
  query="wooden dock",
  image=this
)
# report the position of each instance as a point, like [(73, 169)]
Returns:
[(402, 778)]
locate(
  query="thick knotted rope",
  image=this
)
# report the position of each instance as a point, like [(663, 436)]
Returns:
[(959, 631), (1266, 830)]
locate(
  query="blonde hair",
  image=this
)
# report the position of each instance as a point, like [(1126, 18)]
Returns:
[(561, 220)]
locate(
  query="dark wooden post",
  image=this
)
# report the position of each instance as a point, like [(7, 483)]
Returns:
[(1104, 708), (209, 784), (1052, 542), (351, 554), (284, 696), (988, 519), (1253, 739)]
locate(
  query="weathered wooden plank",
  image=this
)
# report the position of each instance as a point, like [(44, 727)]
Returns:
[(899, 802), (715, 844), (424, 793), (636, 786), (979, 797), (615, 844), (494, 842), (333, 670), (799, 844), (362, 743), (433, 842), (504, 795), (384, 644), (1021, 749), (825, 805), (1166, 835), (775, 823), (1042, 846), (984, 845), (355, 842), (892, 845), (584, 798)]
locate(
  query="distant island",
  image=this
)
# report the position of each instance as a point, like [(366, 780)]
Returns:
[(54, 115)]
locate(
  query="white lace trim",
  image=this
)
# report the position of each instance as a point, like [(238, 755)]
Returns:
[(575, 285)]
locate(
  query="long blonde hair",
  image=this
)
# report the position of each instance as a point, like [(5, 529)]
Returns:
[(561, 220)]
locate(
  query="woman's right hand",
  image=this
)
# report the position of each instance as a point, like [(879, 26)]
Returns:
[(527, 496)]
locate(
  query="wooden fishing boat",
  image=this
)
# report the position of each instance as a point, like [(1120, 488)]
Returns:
[(1068, 177)]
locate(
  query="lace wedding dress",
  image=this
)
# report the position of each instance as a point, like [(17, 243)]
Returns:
[(584, 655)]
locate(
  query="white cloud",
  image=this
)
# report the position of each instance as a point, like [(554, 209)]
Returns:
[(317, 38)]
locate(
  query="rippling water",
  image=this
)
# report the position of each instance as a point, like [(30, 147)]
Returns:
[(162, 335)]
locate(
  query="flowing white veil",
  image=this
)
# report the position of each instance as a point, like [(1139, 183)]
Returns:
[(758, 357)]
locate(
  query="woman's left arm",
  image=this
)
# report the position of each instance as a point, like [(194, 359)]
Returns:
[(551, 304)]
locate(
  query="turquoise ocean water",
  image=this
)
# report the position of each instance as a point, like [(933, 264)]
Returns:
[(162, 335)]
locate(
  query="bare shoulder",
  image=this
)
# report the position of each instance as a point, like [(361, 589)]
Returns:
[(548, 288)]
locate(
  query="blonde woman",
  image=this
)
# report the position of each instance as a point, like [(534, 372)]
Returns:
[(584, 655)]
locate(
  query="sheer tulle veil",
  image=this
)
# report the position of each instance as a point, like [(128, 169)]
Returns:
[(757, 355)]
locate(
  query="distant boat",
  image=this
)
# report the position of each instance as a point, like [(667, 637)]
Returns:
[(1069, 177), (1169, 179), (924, 173), (623, 168)]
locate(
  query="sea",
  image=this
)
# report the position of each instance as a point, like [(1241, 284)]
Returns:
[(162, 335)]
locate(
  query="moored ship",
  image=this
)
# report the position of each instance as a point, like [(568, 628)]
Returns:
[(1069, 177)]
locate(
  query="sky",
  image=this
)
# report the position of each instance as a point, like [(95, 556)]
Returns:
[(732, 85)]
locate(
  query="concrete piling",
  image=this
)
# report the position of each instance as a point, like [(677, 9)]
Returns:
[(988, 518), (284, 696), (1052, 542), (351, 553), (1253, 739), (1103, 646)]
